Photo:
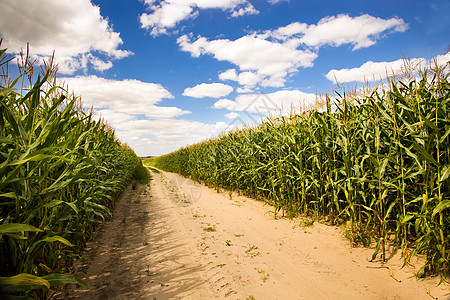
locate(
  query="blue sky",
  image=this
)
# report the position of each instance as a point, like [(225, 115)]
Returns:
[(166, 74)]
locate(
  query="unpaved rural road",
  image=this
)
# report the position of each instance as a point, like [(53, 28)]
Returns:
[(182, 240)]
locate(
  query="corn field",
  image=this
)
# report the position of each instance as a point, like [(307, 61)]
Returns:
[(378, 163), (60, 171)]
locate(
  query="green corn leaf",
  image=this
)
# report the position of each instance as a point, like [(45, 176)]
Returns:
[(55, 279), (445, 135), (419, 148), (22, 283), (6, 140), (73, 206), (17, 227), (11, 195), (16, 236), (409, 153), (34, 249), (445, 172), (37, 157), (56, 238), (440, 207), (53, 203), (406, 219)]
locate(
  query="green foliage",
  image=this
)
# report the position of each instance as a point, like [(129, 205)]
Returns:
[(60, 171), (379, 162)]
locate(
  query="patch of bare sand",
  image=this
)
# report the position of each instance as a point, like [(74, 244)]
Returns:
[(203, 244), (140, 254)]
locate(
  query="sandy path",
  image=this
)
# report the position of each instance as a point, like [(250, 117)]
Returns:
[(186, 241)]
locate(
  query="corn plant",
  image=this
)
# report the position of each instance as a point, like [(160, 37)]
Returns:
[(60, 170), (379, 162)]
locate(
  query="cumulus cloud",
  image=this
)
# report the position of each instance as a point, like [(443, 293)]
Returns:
[(128, 96), (248, 79), (75, 29), (280, 101), (268, 58), (361, 32), (243, 90), (232, 115), (229, 74), (160, 136), (443, 59), (213, 90), (369, 71), (132, 108), (261, 61), (377, 71), (167, 14)]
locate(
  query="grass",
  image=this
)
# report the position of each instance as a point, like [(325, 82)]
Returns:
[(210, 229), (252, 251), (196, 215), (264, 275)]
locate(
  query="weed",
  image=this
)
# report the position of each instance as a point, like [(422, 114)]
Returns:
[(210, 228), (198, 216), (306, 222), (252, 251), (264, 276)]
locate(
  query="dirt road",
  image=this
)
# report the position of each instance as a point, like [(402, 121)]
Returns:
[(182, 240)]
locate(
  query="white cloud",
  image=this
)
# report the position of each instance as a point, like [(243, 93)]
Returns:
[(378, 71), (277, 1), (229, 74), (73, 28), (132, 108), (270, 57), (247, 10), (370, 71), (125, 96), (157, 137), (280, 101), (99, 64), (361, 32), (224, 103), (113, 117), (248, 79), (262, 61), (243, 90), (213, 90), (232, 115), (167, 14), (443, 59)]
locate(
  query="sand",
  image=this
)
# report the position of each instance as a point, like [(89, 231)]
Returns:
[(182, 240)]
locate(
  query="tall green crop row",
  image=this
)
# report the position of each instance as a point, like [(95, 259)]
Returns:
[(60, 171), (380, 163)]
